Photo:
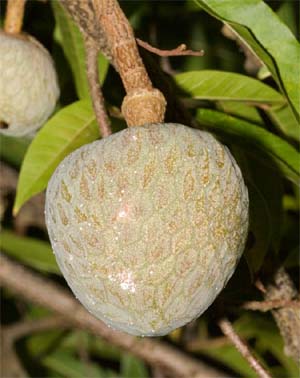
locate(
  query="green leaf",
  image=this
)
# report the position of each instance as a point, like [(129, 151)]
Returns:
[(292, 259), (227, 86), (13, 149), (131, 367), (288, 15), (269, 148), (241, 110), (266, 210), (68, 35), (270, 185), (285, 120), (33, 252), (67, 130), (104, 349), (260, 226), (268, 37), (39, 344), (94, 345), (230, 357), (71, 367)]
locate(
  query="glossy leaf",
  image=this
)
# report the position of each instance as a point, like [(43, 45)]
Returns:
[(12, 149), (266, 210), (241, 110), (229, 356), (30, 251), (220, 85), (260, 226), (287, 13), (269, 184), (69, 366), (131, 367), (256, 140), (104, 349), (67, 130), (268, 37), (41, 343), (285, 120), (70, 38)]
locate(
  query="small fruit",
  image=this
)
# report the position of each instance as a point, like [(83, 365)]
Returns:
[(148, 225), (28, 82)]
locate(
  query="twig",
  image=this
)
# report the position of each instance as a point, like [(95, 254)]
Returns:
[(265, 306), (83, 13), (242, 347), (42, 291), (21, 329), (11, 366), (180, 50), (260, 286), (287, 318), (95, 89), (14, 16)]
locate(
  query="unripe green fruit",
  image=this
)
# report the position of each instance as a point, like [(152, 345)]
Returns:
[(28, 82), (148, 225)]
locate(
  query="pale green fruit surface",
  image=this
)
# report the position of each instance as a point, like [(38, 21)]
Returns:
[(148, 225), (28, 84)]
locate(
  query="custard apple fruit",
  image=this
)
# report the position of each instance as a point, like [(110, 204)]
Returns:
[(148, 225), (28, 82)]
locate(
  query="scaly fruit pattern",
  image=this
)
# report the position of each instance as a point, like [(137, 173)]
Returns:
[(148, 225), (28, 82)]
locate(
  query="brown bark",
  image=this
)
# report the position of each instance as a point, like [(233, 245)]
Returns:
[(287, 318), (243, 348)]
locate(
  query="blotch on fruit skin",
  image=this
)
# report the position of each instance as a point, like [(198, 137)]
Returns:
[(84, 188), (157, 230), (79, 215), (189, 185), (64, 192), (62, 214)]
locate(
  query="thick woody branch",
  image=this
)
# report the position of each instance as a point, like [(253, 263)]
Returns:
[(243, 348), (14, 16), (143, 103), (39, 290)]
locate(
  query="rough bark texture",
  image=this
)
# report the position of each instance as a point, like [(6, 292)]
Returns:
[(103, 22), (287, 318), (83, 13)]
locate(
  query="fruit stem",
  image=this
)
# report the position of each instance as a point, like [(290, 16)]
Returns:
[(14, 16), (143, 104)]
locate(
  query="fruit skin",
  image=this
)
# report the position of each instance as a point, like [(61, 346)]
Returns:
[(148, 225), (28, 82)]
